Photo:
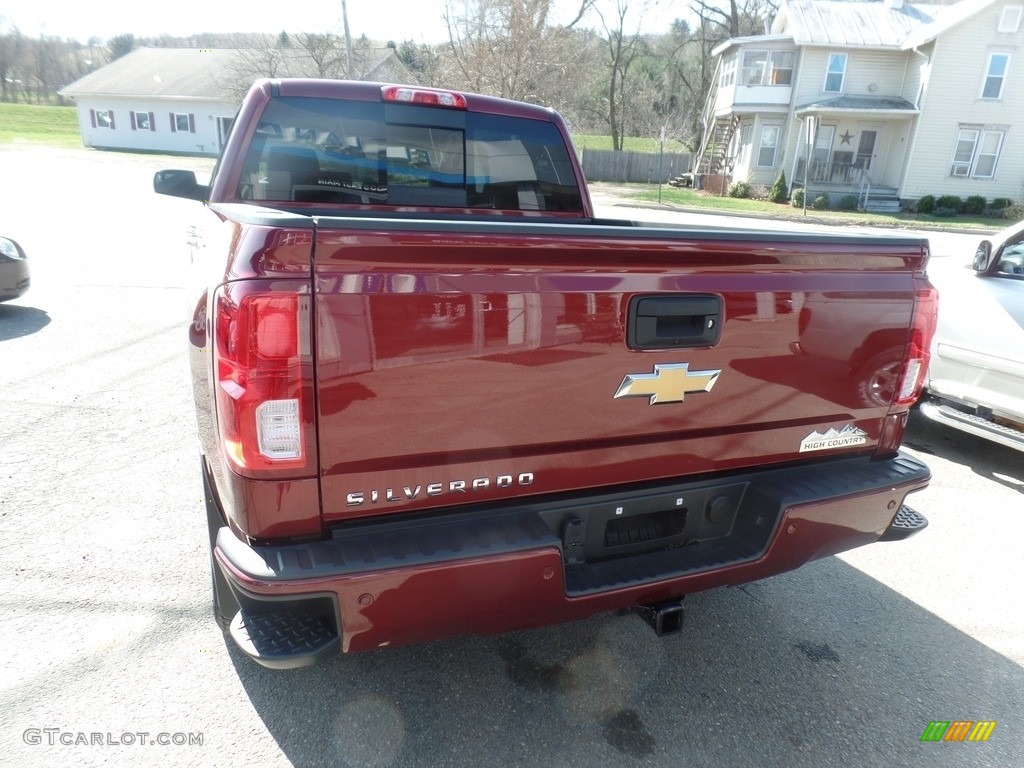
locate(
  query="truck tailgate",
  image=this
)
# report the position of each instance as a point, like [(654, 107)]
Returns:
[(461, 362)]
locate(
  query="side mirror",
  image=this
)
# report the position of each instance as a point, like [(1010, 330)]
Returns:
[(983, 257), (180, 184)]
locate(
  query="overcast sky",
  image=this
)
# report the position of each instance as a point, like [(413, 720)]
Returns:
[(398, 20)]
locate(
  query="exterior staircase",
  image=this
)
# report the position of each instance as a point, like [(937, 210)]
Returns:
[(882, 200), (715, 145)]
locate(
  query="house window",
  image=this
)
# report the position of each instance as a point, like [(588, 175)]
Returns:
[(836, 73), (143, 121), (184, 122), (769, 144), (102, 118), (1010, 20), (728, 74), (995, 76), (754, 63), (781, 70), (767, 68), (976, 153)]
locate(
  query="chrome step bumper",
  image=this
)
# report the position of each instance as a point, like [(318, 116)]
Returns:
[(974, 424)]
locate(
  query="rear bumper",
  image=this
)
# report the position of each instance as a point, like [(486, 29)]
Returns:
[(488, 571)]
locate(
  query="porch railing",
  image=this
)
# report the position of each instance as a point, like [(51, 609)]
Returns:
[(828, 172), (864, 195)]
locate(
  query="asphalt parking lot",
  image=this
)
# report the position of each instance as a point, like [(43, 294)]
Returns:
[(104, 582)]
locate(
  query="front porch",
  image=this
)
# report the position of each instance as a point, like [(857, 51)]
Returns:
[(841, 179)]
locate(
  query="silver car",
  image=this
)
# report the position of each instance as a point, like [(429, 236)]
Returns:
[(976, 374), (14, 276)]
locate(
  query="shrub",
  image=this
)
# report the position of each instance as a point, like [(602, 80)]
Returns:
[(820, 203), (926, 204), (950, 201), (974, 205), (739, 189), (1014, 212), (1000, 203), (797, 198), (944, 212), (779, 192), (847, 203), (759, 191)]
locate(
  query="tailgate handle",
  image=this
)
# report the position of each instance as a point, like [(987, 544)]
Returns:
[(673, 321)]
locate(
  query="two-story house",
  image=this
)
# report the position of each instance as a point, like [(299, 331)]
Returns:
[(883, 99)]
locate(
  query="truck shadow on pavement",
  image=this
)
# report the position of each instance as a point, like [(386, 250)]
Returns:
[(17, 321), (821, 667)]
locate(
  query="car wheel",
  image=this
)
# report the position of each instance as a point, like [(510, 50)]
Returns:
[(878, 378)]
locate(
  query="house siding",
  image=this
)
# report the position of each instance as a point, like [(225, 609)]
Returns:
[(202, 138), (959, 60), (916, 71)]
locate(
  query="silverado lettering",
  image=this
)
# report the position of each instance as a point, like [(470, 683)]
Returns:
[(396, 285), (408, 493)]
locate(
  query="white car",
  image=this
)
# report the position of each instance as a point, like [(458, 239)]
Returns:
[(976, 374)]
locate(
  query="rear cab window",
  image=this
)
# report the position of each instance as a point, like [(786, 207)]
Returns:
[(334, 151)]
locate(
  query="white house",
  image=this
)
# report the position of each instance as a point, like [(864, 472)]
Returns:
[(163, 99), (181, 99), (886, 100)]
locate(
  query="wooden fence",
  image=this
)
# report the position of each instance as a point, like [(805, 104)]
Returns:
[(640, 167)]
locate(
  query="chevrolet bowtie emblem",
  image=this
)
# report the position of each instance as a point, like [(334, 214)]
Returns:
[(668, 384)]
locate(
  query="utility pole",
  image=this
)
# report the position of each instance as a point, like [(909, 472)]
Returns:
[(348, 40)]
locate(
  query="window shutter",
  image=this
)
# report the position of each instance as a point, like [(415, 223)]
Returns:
[(152, 122), (191, 123), (92, 117), (111, 113), (132, 116), (173, 128)]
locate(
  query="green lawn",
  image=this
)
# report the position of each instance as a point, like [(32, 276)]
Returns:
[(29, 123), (630, 143), (688, 198)]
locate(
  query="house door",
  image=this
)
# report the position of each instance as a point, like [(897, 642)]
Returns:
[(866, 149), (223, 128)]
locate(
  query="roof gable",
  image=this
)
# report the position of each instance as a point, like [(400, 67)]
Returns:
[(949, 18)]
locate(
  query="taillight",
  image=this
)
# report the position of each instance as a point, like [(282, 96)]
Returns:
[(915, 361), (429, 96), (264, 377)]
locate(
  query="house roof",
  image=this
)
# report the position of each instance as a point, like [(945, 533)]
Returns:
[(192, 73), (947, 19), (859, 104), (875, 23), (758, 39), (202, 73)]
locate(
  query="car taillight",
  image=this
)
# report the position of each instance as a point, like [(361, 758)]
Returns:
[(915, 361), (430, 96), (263, 369)]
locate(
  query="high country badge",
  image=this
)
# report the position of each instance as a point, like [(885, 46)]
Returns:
[(846, 437)]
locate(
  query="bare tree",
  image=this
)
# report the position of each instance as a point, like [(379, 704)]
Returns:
[(11, 44), (625, 44), (509, 48), (261, 58), (692, 63), (326, 52)]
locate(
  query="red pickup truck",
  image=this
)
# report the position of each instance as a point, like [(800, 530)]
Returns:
[(437, 395)]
